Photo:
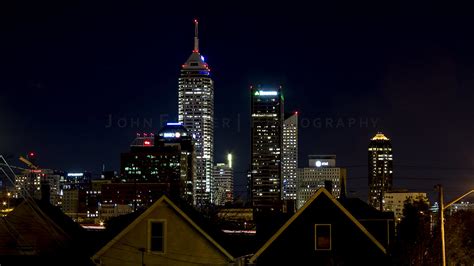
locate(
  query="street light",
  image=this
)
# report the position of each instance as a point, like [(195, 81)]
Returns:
[(8, 199), (442, 208)]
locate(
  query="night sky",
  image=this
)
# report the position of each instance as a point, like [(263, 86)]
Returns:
[(408, 71)]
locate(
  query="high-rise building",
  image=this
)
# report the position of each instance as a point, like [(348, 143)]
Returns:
[(322, 172), (266, 148), (168, 159), (223, 185), (289, 162), (175, 136), (196, 113), (380, 169)]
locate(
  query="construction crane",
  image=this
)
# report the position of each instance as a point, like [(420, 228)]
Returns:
[(27, 162)]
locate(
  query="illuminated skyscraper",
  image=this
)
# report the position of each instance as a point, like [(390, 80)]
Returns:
[(223, 185), (380, 169), (266, 128), (290, 156), (166, 159), (196, 113)]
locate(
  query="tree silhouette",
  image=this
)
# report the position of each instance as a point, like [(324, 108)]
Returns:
[(459, 229)]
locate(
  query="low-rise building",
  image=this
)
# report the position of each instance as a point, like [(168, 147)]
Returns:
[(163, 235), (394, 201), (322, 232)]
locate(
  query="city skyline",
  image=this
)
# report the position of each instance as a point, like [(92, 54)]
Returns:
[(346, 89)]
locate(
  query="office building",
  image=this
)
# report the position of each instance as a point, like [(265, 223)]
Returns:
[(168, 159), (196, 113), (289, 163), (223, 185), (394, 201), (321, 172), (266, 147), (380, 169)]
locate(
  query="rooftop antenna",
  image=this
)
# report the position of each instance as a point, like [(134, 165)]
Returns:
[(196, 39)]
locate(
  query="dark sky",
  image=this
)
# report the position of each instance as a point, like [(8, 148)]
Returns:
[(66, 67)]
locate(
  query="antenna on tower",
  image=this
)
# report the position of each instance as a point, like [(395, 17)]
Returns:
[(196, 39)]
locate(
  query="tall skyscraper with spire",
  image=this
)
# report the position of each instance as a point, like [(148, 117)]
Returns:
[(196, 113), (380, 169)]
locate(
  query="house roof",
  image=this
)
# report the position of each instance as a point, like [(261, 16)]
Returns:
[(39, 230), (319, 192), (148, 212), (361, 210)]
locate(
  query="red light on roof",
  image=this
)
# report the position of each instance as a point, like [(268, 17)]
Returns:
[(195, 21), (147, 143), (296, 113), (32, 154)]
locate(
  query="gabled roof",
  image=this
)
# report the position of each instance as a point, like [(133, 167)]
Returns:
[(319, 192), (146, 214), (37, 228), (361, 210)]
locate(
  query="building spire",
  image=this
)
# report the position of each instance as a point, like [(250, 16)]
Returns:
[(196, 39)]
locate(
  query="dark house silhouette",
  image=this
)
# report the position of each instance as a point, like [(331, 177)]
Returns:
[(322, 232)]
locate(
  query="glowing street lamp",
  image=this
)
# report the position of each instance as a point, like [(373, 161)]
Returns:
[(442, 208)]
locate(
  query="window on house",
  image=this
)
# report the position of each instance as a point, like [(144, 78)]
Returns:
[(157, 236), (322, 236)]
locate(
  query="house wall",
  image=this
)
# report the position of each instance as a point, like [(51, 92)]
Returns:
[(296, 245), (184, 245)]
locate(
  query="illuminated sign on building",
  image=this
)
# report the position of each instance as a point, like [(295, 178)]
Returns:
[(319, 163), (75, 174), (172, 135), (266, 93)]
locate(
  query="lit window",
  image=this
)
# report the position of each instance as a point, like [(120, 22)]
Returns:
[(322, 237), (156, 229)]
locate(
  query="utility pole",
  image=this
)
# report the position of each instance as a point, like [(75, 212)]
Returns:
[(441, 222), (441, 209)]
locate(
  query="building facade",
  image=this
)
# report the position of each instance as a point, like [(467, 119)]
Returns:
[(380, 169), (321, 173), (323, 232), (289, 162), (168, 160), (394, 201), (223, 185), (266, 147), (196, 113), (164, 234)]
